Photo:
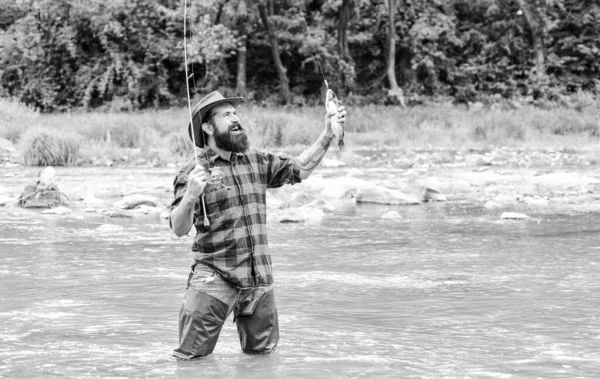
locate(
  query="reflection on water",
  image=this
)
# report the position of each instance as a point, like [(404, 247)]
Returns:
[(443, 292)]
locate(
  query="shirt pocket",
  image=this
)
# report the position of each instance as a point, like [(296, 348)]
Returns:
[(217, 203)]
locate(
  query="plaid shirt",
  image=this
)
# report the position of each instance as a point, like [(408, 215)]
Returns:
[(235, 242)]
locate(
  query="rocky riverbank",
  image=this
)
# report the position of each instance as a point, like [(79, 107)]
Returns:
[(502, 179)]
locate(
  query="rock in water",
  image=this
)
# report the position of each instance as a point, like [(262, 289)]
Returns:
[(513, 216), (431, 194), (145, 209), (490, 204), (296, 215), (133, 201), (118, 213), (49, 197), (44, 194), (382, 195), (57, 211), (539, 202)]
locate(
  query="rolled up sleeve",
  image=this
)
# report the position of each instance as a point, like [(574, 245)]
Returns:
[(282, 169), (179, 188)]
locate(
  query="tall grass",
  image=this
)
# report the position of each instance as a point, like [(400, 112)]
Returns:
[(47, 147), (164, 133)]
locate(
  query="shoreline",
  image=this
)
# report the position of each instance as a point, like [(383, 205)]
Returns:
[(544, 181)]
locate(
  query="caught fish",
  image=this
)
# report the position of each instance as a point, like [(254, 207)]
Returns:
[(331, 105)]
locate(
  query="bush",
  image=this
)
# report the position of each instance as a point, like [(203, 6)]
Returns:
[(46, 147)]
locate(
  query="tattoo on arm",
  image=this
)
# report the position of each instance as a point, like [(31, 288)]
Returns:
[(311, 157)]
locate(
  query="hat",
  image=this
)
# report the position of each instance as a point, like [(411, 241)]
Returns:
[(201, 109)]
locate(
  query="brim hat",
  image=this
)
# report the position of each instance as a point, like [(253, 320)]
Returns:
[(201, 109)]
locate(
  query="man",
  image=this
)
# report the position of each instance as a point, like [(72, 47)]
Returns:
[(224, 198)]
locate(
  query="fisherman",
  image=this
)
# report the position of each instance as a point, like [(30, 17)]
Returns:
[(224, 198)]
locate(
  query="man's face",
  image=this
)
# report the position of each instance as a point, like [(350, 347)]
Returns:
[(228, 132)]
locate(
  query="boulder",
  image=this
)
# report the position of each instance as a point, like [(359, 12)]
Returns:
[(382, 195), (134, 201), (44, 193), (145, 209), (506, 199), (563, 180), (513, 216), (297, 215), (117, 213), (91, 201), (297, 199), (321, 204), (32, 197), (57, 211), (336, 188), (431, 194), (538, 202), (492, 205)]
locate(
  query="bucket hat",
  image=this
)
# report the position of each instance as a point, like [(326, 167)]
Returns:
[(201, 109)]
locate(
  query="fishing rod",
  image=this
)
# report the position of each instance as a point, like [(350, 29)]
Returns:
[(313, 46), (331, 101), (187, 85)]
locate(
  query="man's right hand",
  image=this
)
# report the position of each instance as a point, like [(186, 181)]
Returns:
[(197, 181)]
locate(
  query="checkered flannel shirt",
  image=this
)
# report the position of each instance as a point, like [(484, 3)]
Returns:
[(235, 242)]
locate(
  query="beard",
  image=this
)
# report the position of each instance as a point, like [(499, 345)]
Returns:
[(236, 142)]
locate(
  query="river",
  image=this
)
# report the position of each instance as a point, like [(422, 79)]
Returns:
[(445, 291)]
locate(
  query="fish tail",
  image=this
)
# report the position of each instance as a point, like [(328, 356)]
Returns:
[(340, 146)]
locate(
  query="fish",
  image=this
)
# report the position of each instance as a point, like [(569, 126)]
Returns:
[(331, 105)]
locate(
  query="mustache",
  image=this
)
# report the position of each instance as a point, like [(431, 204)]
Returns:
[(234, 125)]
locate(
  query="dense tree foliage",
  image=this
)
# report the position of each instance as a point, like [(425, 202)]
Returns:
[(128, 54)]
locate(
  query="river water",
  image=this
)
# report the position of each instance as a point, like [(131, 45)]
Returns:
[(446, 291)]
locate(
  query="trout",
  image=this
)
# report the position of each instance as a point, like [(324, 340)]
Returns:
[(331, 105)]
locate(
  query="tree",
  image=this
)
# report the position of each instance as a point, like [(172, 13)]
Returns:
[(284, 83), (533, 14), (395, 91)]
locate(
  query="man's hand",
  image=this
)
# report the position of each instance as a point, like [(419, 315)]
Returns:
[(197, 182), (182, 216)]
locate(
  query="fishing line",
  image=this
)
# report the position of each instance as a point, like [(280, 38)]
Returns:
[(187, 78), (313, 46), (187, 85)]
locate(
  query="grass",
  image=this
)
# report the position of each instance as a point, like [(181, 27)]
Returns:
[(48, 147), (163, 135)]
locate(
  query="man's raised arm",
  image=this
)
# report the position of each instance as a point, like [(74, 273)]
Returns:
[(310, 158)]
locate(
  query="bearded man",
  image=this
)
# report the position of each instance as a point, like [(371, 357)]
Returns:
[(224, 198)]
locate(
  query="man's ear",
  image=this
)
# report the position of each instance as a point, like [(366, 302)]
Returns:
[(208, 128)]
